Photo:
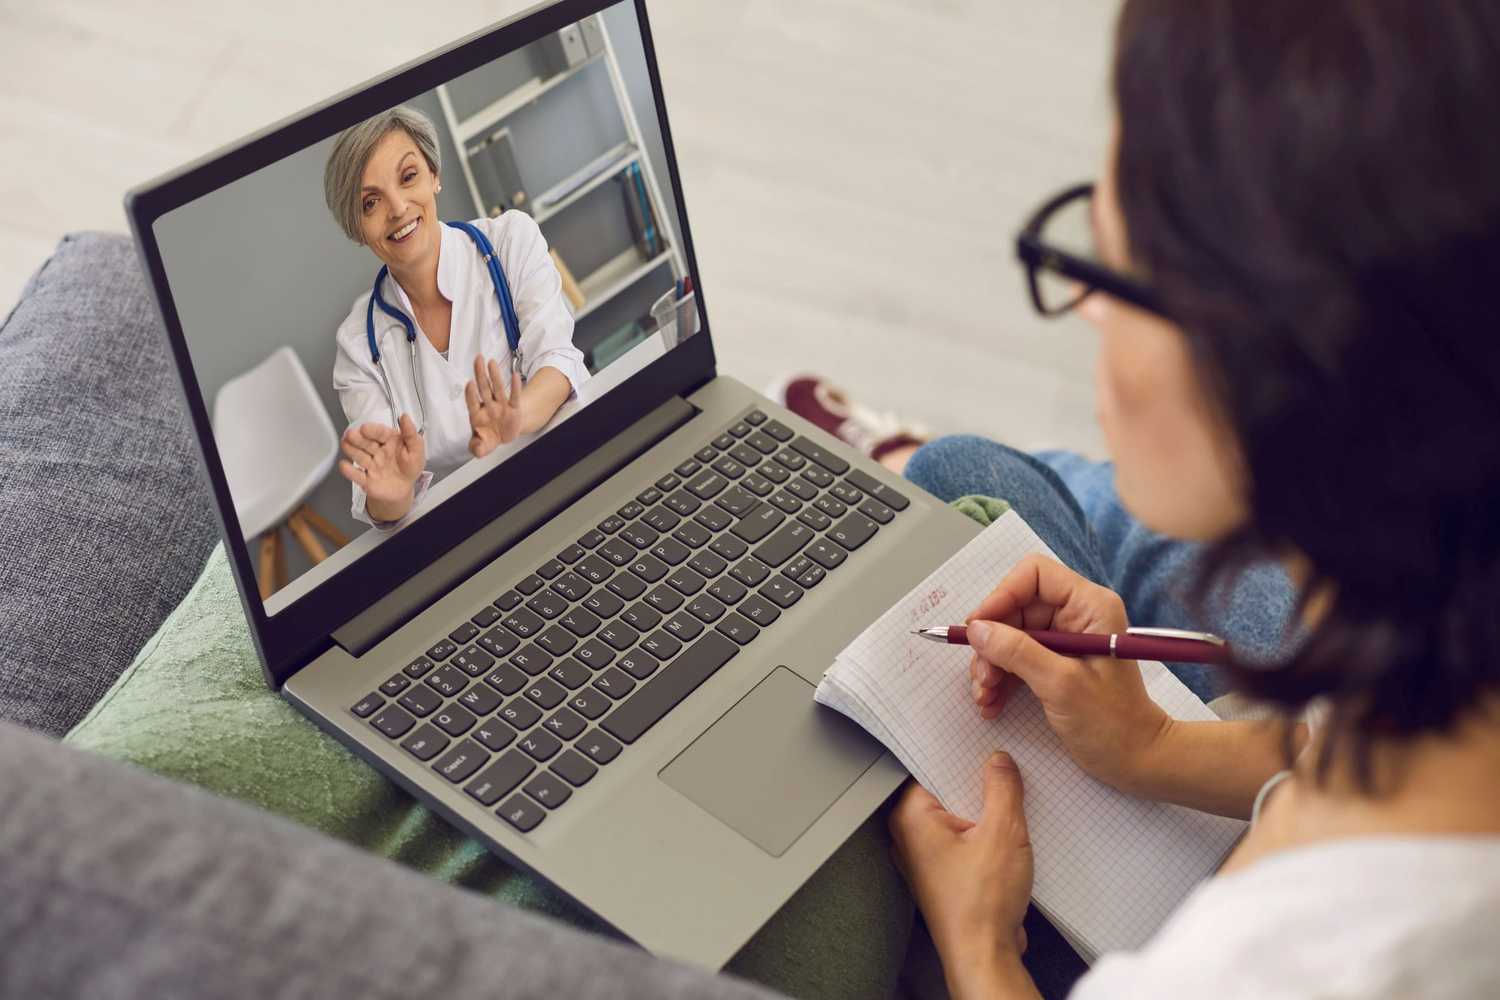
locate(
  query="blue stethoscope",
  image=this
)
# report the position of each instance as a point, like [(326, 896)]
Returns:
[(507, 316)]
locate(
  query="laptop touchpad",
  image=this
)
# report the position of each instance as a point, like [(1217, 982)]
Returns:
[(772, 765)]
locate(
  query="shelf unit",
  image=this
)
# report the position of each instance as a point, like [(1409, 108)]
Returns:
[(621, 272)]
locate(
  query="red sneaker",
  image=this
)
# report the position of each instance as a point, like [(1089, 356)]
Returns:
[(818, 401)]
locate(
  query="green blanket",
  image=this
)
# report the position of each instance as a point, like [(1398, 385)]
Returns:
[(195, 707)]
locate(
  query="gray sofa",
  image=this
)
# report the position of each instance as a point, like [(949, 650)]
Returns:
[(115, 883)]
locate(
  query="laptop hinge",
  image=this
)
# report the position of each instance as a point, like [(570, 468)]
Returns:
[(369, 628)]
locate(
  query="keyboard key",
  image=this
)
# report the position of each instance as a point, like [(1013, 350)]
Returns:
[(506, 679), (448, 681), (757, 484), (574, 768), (846, 492), (664, 599), (707, 485), (631, 511), (782, 592), (619, 636), (648, 496), (705, 609), (686, 581), (661, 645), (723, 441), (755, 418), (666, 484), (692, 534), (728, 589), (877, 511), (853, 531), (627, 586), (524, 622), (687, 469), (570, 586), (494, 735), (600, 748), (556, 640), (763, 443), (595, 654), (571, 554), (714, 518), (393, 722), (708, 564), (737, 628), (442, 650), (508, 600), (661, 519), (617, 551), (802, 489), (784, 544), (530, 585), (683, 626), (589, 703), (565, 723), (671, 551), (750, 571), (864, 481), (593, 569), (674, 682), (550, 569), (486, 617), (786, 502), (426, 743), (804, 572), (421, 700), (591, 538), (759, 524), (814, 518), (737, 501), (521, 813), (773, 472), (639, 664), (641, 617), (830, 506), (705, 454), (639, 534), (540, 744), (819, 454), (820, 478), (682, 502), (603, 603), (745, 455), (611, 524), (462, 761), (825, 555), (417, 667), (571, 673), (455, 720), (548, 604), (740, 429), (580, 622), (548, 789), (729, 547), (790, 459), (531, 658), (393, 687), (500, 778), (464, 633), (759, 610), (614, 683), (649, 568), (546, 692), (521, 714), (366, 706), (473, 661), (728, 467)]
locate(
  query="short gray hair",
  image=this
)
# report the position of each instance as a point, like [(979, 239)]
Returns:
[(345, 168)]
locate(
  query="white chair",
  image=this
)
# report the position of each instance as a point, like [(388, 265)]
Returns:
[(277, 444)]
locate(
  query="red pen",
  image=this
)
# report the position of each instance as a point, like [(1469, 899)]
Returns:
[(1176, 645)]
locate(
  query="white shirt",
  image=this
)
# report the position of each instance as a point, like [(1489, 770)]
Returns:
[(476, 328), (1370, 917)]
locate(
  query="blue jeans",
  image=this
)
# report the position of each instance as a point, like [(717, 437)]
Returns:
[(1071, 503)]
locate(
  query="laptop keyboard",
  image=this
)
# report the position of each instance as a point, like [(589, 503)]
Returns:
[(528, 698)]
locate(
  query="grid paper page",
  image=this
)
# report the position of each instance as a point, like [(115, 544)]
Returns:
[(1109, 868)]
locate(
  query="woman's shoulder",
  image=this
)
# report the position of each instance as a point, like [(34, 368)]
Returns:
[(511, 231)]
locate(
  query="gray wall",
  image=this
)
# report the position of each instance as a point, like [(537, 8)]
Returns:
[(261, 263)]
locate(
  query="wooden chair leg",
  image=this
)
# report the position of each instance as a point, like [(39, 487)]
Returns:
[(323, 526), (270, 545), (280, 561), (303, 532)]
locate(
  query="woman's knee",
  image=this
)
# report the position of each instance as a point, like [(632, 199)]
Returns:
[(966, 465)]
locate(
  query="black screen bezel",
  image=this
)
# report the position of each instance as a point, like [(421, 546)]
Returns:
[(301, 631)]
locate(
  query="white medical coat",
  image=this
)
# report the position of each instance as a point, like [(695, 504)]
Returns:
[(476, 328)]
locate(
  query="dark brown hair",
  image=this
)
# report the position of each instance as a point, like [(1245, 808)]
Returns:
[(1313, 187)]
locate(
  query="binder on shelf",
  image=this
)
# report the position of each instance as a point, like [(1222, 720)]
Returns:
[(593, 34), (497, 175), (638, 211)]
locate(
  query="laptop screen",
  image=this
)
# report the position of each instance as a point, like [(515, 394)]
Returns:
[(381, 318)]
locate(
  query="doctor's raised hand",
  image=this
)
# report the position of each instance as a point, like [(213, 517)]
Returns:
[(496, 416), (385, 462)]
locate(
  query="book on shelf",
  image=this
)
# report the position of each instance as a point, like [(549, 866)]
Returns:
[(638, 211)]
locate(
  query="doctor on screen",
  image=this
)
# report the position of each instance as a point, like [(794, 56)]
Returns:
[(464, 341)]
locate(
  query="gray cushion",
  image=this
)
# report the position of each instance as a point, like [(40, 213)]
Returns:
[(104, 520), (116, 883)]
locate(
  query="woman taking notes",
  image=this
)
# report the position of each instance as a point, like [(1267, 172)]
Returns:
[(1295, 254), (449, 360)]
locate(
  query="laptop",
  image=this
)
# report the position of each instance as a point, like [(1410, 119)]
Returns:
[(595, 648)]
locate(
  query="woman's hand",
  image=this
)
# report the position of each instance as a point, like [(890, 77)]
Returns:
[(972, 881), (495, 416), (384, 462), (1097, 705)]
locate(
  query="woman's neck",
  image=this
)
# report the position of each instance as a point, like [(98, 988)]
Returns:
[(419, 281)]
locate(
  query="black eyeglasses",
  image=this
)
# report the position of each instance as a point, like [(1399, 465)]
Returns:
[(1062, 263)]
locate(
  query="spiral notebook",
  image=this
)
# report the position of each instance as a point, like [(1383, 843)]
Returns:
[(1109, 868)]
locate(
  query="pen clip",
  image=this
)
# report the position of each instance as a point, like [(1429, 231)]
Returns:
[(1177, 633)]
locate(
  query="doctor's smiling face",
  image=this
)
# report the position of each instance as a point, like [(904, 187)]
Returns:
[(398, 203)]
